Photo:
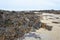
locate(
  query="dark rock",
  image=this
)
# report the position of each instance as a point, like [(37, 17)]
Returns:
[(49, 27), (56, 22)]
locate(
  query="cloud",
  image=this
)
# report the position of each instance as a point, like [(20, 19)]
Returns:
[(29, 4)]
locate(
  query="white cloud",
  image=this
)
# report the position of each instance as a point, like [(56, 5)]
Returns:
[(29, 4)]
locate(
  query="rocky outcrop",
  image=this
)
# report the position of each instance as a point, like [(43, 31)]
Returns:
[(15, 24)]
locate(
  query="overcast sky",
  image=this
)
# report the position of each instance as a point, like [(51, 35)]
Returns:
[(29, 4)]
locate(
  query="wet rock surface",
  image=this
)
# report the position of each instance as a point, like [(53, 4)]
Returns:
[(32, 36)]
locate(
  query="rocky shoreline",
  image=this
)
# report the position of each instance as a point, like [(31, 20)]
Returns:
[(15, 24)]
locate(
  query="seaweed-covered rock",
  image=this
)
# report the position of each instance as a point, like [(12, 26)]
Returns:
[(14, 25)]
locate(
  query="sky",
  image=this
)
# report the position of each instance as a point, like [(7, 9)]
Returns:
[(29, 4)]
